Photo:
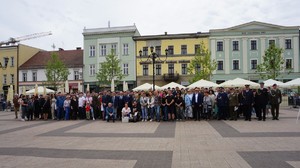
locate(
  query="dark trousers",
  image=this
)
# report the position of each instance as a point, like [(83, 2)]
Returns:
[(233, 113), (261, 112), (81, 113), (248, 111), (222, 113), (197, 112), (275, 111)]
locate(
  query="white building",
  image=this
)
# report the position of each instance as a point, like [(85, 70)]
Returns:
[(33, 71)]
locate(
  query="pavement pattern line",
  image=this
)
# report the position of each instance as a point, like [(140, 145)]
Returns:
[(164, 130), (145, 159), (270, 159), (226, 130), (24, 127)]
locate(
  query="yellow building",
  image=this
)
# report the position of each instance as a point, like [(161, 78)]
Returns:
[(11, 57), (181, 49)]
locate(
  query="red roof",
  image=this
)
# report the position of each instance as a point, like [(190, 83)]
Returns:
[(71, 58)]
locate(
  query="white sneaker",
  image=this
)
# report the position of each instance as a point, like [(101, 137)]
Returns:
[(143, 120), (94, 119), (22, 119), (150, 120)]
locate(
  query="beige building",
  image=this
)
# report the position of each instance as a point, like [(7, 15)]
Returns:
[(11, 57)]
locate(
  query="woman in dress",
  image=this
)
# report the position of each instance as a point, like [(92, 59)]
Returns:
[(74, 107), (46, 107), (53, 105)]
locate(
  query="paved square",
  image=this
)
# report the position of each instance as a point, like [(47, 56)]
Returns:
[(151, 144)]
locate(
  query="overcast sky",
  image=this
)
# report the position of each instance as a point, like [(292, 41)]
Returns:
[(67, 18)]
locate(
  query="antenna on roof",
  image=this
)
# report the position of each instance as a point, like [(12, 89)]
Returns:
[(109, 24)]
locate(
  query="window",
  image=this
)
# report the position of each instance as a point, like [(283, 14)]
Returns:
[(197, 48), (171, 68), (114, 49), (183, 49), (253, 45), (288, 44), (158, 50), (12, 61), (145, 51), (271, 42), (235, 45), (24, 76), (235, 64), (76, 75), (125, 49), (197, 68), (92, 69), (145, 70), (220, 65), (125, 69), (102, 50), (4, 79), (92, 51), (170, 50), (34, 76), (158, 69), (183, 69), (288, 64), (253, 64), (6, 61), (12, 78), (220, 46)]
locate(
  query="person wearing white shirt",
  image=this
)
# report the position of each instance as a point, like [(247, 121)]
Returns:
[(151, 105), (89, 99), (126, 111), (81, 111)]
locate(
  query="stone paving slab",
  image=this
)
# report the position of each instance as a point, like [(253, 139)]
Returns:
[(144, 158), (213, 144)]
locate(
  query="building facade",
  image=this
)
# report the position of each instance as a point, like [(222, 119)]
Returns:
[(11, 57), (33, 71), (100, 42), (239, 49), (173, 68)]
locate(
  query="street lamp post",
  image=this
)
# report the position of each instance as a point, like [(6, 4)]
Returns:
[(153, 56)]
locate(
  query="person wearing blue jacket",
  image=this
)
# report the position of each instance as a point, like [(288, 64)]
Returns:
[(248, 101), (222, 103), (60, 106)]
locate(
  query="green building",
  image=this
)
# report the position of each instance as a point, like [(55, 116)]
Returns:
[(99, 42), (239, 49)]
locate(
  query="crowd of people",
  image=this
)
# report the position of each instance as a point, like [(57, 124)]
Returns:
[(172, 104)]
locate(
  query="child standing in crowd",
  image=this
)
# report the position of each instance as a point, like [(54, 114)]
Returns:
[(87, 110)]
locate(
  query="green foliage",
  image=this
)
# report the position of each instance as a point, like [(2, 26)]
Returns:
[(56, 71), (273, 63), (207, 65), (110, 69)]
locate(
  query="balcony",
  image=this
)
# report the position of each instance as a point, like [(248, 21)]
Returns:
[(171, 77)]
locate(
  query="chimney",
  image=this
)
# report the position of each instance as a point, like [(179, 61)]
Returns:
[(60, 49), (78, 48), (166, 33)]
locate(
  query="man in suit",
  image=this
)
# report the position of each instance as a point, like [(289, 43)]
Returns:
[(121, 104), (115, 101), (248, 102), (275, 98), (262, 99), (197, 102), (222, 103)]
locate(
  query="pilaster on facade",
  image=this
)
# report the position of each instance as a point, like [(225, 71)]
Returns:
[(213, 51), (263, 48), (227, 57), (296, 54), (245, 55)]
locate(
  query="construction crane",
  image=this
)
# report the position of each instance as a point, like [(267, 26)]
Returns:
[(27, 37)]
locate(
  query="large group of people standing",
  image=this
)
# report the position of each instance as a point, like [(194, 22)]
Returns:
[(172, 104)]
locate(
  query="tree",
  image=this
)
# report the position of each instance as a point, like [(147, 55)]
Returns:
[(56, 71), (202, 65), (272, 64), (110, 69)]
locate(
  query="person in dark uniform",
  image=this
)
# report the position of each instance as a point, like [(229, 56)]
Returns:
[(170, 105), (197, 102), (248, 102), (222, 103), (262, 99), (275, 99)]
